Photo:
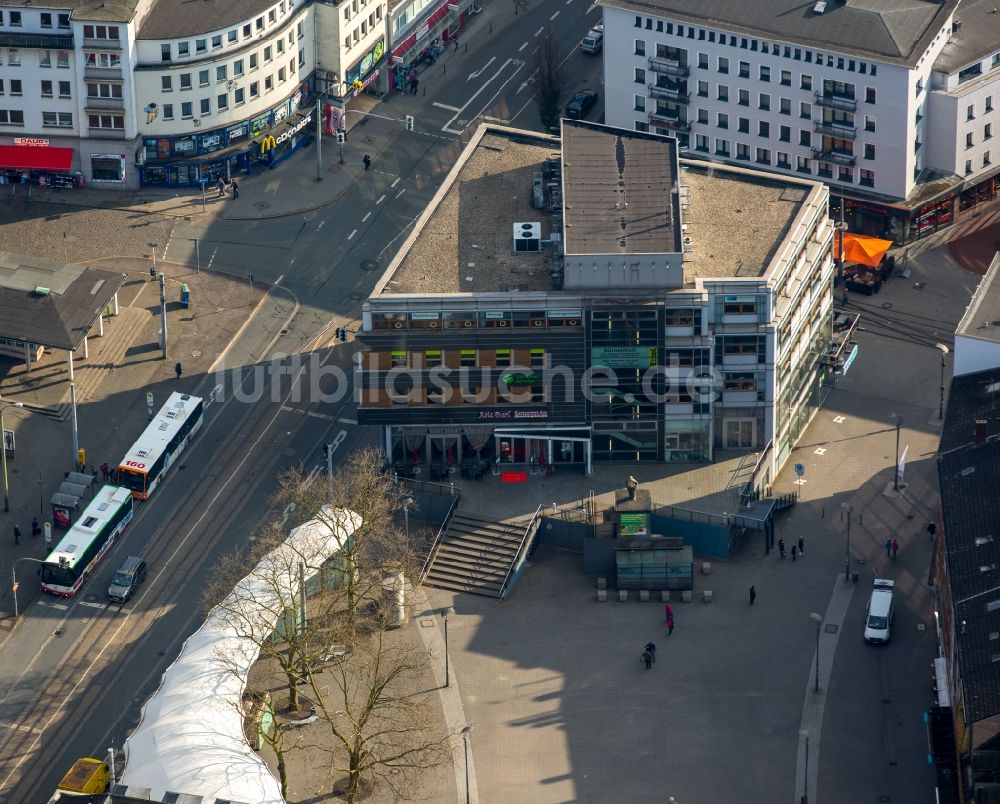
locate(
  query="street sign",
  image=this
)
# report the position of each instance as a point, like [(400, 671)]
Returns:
[(800, 469), (8, 442), (149, 403)]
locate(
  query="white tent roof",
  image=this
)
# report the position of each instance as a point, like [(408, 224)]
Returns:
[(190, 739)]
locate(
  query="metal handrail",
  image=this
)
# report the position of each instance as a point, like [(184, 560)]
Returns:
[(751, 485), (437, 539), (533, 522)]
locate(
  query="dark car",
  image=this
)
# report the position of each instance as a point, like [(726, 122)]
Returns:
[(580, 104)]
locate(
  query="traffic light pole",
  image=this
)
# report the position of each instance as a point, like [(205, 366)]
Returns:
[(329, 470)]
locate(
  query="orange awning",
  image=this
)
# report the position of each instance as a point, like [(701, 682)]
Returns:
[(862, 250)]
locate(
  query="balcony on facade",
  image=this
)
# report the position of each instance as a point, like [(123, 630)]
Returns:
[(836, 157), (672, 95), (104, 105), (668, 67), (832, 101), (106, 133), (102, 44), (36, 41), (836, 130), (103, 73), (662, 120)]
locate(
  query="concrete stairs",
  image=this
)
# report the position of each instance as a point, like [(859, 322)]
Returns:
[(474, 556)]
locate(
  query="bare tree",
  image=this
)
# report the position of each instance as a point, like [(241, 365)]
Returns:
[(377, 715), (376, 548), (548, 79)]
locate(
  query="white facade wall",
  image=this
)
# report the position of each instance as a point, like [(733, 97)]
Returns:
[(915, 121), (223, 85)]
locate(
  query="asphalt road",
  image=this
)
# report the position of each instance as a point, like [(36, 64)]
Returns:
[(75, 673)]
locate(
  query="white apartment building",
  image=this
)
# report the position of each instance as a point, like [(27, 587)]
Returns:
[(891, 103), (165, 92)]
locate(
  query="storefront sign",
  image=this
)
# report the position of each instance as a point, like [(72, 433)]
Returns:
[(32, 142), (424, 316), (623, 356), (293, 129), (210, 142), (260, 123), (367, 62), (513, 477), (333, 118), (184, 146), (513, 414), (630, 525), (516, 378), (564, 313)]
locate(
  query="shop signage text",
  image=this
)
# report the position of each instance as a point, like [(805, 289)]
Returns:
[(623, 356), (291, 131), (33, 142), (506, 415)]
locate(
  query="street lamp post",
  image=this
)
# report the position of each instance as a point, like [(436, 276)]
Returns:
[(846, 508), (805, 776), (944, 353), (3, 451), (447, 670), (819, 623), (466, 731), (13, 575), (895, 469)]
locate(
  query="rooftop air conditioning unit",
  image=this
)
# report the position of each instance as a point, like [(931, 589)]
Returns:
[(527, 237)]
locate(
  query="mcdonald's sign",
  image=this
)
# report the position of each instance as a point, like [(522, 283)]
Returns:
[(267, 143)]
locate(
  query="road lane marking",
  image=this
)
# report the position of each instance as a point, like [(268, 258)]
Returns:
[(490, 80), (395, 182), (345, 420), (368, 214), (381, 198), (400, 192), (538, 32), (446, 107), (322, 223), (92, 604), (553, 16), (354, 232), (480, 71), (20, 727), (522, 47)]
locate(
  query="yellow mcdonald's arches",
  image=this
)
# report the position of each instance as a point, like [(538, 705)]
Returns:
[(267, 144)]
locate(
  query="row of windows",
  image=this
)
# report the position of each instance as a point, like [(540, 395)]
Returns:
[(987, 135), (743, 96), (466, 358), (362, 30), (46, 20), (233, 36), (44, 58), (970, 110), (238, 68), (764, 47), (985, 163), (239, 96)]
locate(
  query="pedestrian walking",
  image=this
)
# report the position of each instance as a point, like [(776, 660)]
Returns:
[(17, 535), (178, 370), (802, 546), (931, 530), (35, 529), (455, 40), (753, 594), (895, 548), (668, 613), (888, 548), (795, 551), (781, 548), (235, 185), (651, 647), (368, 162), (105, 471), (647, 657), (221, 184), (670, 623)]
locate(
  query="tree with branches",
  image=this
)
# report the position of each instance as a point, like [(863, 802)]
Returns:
[(549, 81)]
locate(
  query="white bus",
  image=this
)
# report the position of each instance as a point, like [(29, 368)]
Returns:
[(152, 455), (88, 541)]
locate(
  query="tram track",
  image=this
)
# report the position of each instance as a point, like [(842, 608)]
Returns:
[(207, 511)]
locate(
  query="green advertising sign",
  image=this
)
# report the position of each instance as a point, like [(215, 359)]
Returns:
[(517, 378), (624, 356), (633, 525)]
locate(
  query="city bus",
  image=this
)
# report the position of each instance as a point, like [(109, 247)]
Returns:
[(152, 455), (88, 541)]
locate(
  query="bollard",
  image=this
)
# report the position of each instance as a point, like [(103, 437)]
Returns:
[(425, 90), (466, 47), (491, 26), (444, 69), (822, 513)]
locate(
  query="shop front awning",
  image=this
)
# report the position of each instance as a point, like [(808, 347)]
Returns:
[(27, 157), (862, 250)]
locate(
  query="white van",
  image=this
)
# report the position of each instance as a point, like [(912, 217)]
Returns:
[(878, 619), (594, 40)]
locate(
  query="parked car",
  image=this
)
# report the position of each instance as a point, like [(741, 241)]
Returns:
[(581, 103), (878, 618), (594, 40)]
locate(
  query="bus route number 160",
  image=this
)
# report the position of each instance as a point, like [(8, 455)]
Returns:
[(135, 464)]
